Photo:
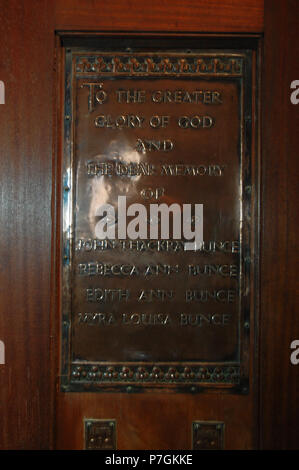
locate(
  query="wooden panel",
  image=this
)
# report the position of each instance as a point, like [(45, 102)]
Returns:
[(26, 142), (161, 15), (279, 277), (27, 34), (155, 421), (148, 421), (25, 237)]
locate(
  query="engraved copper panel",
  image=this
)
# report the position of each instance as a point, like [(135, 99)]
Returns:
[(207, 435), (100, 434), (146, 314)]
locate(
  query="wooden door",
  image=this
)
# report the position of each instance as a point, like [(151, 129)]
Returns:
[(67, 385)]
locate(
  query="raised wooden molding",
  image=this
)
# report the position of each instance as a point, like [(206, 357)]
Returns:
[(161, 15)]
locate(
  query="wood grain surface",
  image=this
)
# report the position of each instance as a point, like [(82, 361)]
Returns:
[(26, 67), (161, 15), (279, 259)]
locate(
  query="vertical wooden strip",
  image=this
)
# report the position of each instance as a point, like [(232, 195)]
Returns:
[(279, 410), (26, 67)]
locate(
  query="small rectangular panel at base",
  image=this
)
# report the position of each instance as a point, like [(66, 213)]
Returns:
[(207, 435), (100, 434)]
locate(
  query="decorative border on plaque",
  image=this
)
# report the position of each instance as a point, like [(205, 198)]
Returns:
[(158, 374), (159, 65)]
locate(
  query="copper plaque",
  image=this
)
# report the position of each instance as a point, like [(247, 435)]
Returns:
[(152, 128)]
